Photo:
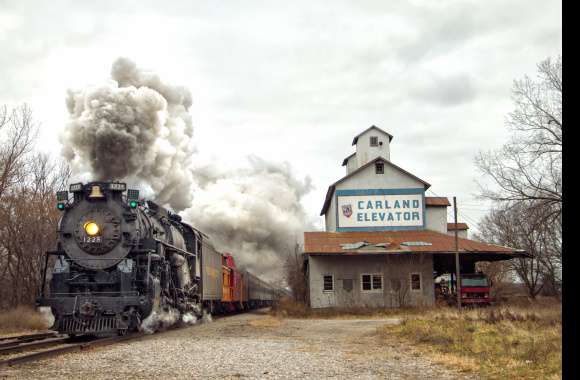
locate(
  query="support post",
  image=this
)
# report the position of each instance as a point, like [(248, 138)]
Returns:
[(457, 274)]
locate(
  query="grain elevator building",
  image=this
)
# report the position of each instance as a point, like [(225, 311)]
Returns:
[(385, 241)]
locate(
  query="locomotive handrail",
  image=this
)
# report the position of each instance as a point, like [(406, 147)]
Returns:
[(132, 293), (170, 246)]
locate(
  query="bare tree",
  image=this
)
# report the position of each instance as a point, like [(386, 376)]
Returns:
[(28, 215), (17, 133), (525, 227), (526, 176), (296, 275), (529, 166)]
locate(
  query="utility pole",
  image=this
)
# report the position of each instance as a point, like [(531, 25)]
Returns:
[(457, 276)]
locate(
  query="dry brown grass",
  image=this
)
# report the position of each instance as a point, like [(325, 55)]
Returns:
[(288, 308), (268, 322), (20, 320), (521, 342)]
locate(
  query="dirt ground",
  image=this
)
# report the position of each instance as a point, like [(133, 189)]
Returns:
[(252, 345)]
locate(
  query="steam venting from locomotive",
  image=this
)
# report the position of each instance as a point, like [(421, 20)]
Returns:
[(255, 212), (137, 129)]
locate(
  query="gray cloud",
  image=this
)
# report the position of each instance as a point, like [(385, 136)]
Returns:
[(452, 90), (295, 81)]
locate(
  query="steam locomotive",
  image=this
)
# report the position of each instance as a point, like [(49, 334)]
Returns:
[(120, 260)]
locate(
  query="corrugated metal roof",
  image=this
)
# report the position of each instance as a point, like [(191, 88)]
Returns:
[(368, 129), (437, 201), (392, 242), (460, 226)]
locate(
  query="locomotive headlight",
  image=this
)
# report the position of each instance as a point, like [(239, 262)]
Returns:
[(92, 228)]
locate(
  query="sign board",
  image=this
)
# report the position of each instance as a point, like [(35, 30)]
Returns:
[(380, 209)]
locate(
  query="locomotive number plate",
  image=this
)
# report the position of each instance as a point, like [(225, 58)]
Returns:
[(92, 239)]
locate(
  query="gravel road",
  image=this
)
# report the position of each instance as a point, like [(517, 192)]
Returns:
[(253, 346)]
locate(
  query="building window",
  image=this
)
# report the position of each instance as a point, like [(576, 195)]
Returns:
[(380, 168), (416, 281), (328, 281), (374, 141), (372, 283)]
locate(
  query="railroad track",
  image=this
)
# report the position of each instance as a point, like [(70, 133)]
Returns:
[(27, 345), (66, 346), (28, 337)]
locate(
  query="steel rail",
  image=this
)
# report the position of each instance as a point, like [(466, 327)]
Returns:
[(9, 348), (29, 337), (74, 347)]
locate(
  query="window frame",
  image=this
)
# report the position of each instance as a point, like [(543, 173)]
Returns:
[(382, 165), (323, 283), (411, 282), (376, 140), (372, 289)]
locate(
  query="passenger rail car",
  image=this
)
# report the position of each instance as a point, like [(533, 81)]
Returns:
[(119, 259)]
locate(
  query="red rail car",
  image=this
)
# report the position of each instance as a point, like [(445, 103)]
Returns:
[(231, 284), (241, 290)]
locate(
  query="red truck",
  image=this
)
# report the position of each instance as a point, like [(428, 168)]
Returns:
[(475, 289)]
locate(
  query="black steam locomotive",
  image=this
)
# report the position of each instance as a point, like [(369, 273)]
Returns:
[(120, 260)]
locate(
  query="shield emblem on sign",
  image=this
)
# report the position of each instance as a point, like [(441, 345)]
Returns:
[(347, 210)]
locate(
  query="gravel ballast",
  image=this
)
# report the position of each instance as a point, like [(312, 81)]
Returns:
[(251, 345)]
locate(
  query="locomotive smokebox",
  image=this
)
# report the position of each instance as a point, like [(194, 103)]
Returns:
[(97, 229)]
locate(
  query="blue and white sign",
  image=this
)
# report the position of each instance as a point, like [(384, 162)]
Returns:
[(380, 209)]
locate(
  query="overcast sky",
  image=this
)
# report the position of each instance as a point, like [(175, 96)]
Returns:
[(296, 81)]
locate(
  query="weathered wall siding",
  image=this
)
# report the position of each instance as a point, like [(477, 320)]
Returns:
[(391, 179), (392, 267), (351, 165), (330, 217), (365, 152), (436, 219), (461, 233)]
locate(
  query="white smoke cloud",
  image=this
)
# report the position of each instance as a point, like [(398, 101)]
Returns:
[(159, 320), (253, 212), (137, 129), (134, 128)]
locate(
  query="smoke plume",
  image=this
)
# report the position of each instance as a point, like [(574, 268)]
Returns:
[(134, 128), (254, 212), (137, 129)]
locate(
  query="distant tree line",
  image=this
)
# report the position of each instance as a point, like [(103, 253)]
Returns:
[(28, 216), (526, 183)]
